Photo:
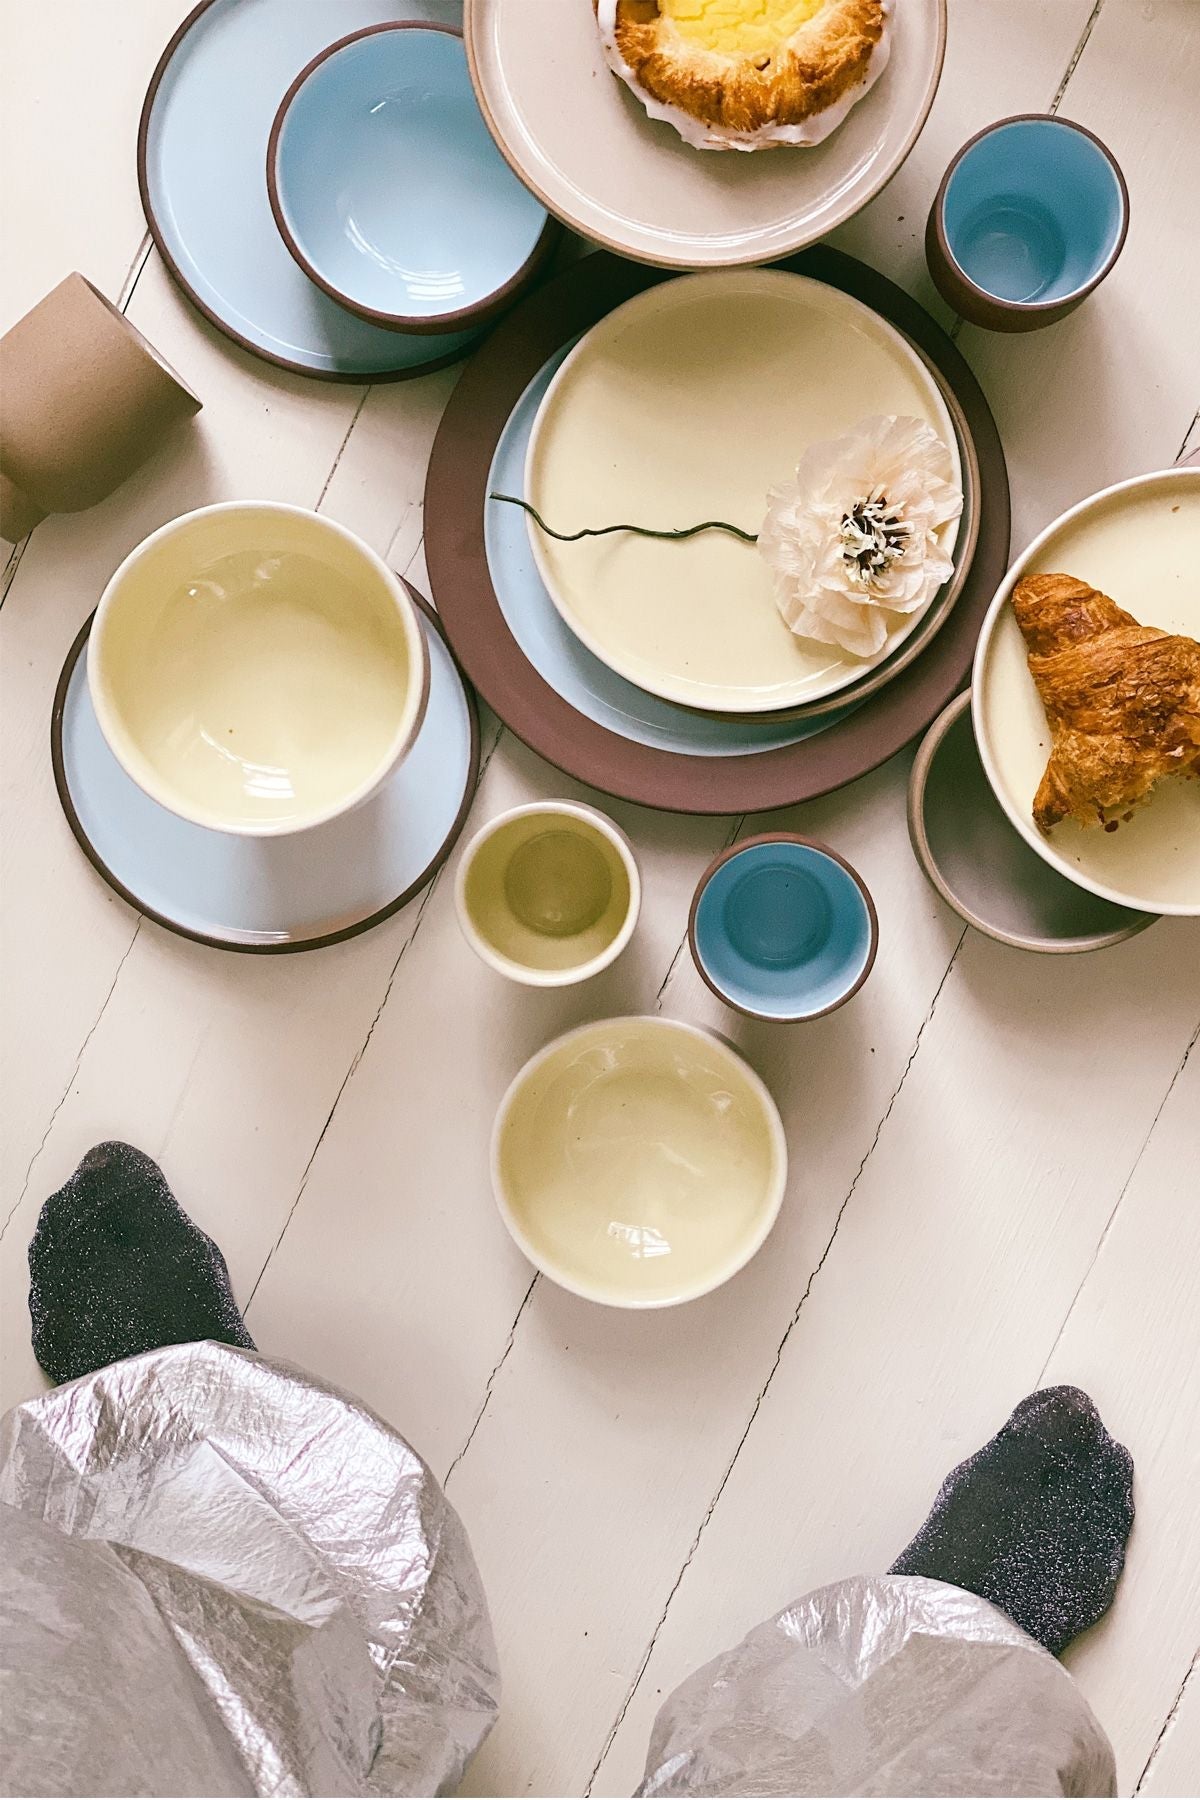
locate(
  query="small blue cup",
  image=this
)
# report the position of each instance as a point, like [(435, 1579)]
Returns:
[(782, 928), (389, 191), (1031, 215)]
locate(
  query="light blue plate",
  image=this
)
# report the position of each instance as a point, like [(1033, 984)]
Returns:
[(586, 683), (391, 190), (203, 170), (287, 893)]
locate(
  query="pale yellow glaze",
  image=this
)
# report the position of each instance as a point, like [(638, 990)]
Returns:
[(639, 1161), (689, 403), (1141, 546), (254, 672), (546, 892), (739, 25)]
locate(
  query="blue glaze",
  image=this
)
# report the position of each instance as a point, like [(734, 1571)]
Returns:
[(206, 179), (391, 185), (783, 930), (261, 891), (1033, 211)]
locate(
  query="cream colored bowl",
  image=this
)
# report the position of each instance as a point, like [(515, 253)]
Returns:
[(638, 1162), (256, 669), (548, 894)]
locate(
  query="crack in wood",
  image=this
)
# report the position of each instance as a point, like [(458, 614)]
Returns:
[(1168, 1723)]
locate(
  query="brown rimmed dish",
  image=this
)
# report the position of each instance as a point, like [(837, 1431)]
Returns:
[(317, 845), (464, 318), (784, 920), (455, 498)]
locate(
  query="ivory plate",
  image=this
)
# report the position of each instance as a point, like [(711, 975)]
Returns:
[(587, 148), (690, 402), (1138, 542)]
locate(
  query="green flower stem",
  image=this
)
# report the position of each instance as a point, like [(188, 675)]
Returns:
[(572, 537)]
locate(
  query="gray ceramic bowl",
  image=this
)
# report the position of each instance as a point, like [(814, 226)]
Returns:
[(983, 868)]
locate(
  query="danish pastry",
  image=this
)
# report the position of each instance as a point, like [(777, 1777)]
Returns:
[(747, 74)]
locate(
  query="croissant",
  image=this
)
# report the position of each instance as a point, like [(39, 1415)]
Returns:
[(1122, 700)]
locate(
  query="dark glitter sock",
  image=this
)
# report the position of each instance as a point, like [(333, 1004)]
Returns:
[(1036, 1521), (117, 1267)]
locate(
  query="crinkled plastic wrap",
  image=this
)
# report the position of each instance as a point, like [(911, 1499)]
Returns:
[(894, 1685), (222, 1577)]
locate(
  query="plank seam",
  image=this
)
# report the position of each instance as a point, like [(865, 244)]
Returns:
[(1111, 1220), (341, 450), (1186, 436), (1168, 1723), (357, 1058), (491, 1381), (778, 1358), (1080, 47), (71, 1079)]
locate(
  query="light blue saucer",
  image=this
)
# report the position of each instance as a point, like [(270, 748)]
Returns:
[(202, 163), (586, 683), (271, 894)]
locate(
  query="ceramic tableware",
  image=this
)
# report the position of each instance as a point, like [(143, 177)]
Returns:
[(86, 401), (690, 402), (548, 894), (1138, 542), (575, 736), (257, 669), (272, 895), (586, 147), (202, 157), (1030, 217), (982, 868), (638, 1162), (389, 191), (782, 928)]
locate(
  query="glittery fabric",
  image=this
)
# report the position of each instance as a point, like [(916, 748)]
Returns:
[(1036, 1521), (222, 1577), (116, 1267), (884, 1685)]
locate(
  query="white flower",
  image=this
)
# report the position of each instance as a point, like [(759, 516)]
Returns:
[(852, 540)]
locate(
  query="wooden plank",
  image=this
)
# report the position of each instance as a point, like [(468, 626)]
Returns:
[(1132, 1340), (969, 1234), (1174, 1766)]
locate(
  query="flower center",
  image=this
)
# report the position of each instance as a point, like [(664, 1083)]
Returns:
[(874, 535)]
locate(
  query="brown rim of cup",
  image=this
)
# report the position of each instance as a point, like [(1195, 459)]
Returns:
[(946, 263), (480, 312), (781, 837), (292, 948), (341, 377)]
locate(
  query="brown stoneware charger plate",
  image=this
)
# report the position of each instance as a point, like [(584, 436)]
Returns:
[(456, 490), (272, 895)]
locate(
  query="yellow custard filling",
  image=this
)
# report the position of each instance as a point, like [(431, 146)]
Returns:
[(739, 27)]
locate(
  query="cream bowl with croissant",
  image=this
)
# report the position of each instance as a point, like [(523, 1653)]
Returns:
[(1087, 693)]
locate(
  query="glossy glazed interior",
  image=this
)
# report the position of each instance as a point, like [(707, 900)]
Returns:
[(784, 930), (1033, 211), (256, 669), (639, 1162), (547, 891), (391, 184)]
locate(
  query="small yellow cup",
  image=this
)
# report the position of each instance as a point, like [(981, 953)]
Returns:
[(548, 894)]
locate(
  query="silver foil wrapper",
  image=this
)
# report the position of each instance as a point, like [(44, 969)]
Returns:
[(887, 1685), (223, 1577)]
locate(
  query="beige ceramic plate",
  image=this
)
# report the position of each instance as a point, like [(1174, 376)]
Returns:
[(1139, 542), (638, 1162), (576, 135), (688, 403)]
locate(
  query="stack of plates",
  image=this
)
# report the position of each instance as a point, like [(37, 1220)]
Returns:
[(663, 672)]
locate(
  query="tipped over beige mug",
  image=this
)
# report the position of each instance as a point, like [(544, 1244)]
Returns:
[(84, 401)]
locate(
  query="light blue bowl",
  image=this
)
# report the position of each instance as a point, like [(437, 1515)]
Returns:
[(1031, 215), (389, 191), (783, 929)]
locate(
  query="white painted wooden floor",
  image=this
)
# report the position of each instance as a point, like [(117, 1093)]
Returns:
[(996, 1157)]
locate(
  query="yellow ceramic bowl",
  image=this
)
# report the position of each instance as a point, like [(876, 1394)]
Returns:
[(548, 894), (255, 668), (638, 1162)]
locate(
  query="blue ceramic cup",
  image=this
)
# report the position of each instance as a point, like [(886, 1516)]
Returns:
[(782, 928), (1030, 217), (389, 191)]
